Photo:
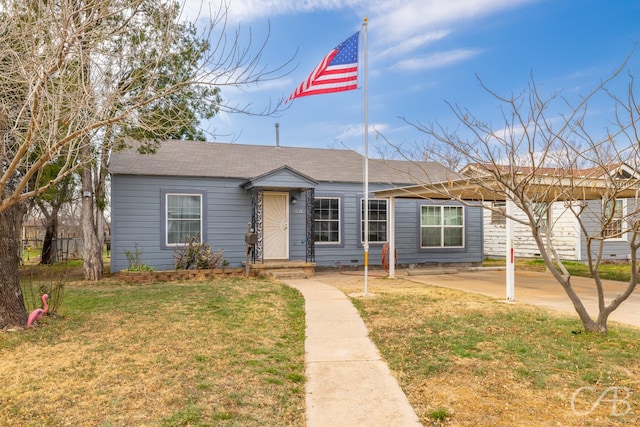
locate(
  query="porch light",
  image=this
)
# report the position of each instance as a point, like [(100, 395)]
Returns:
[(294, 200)]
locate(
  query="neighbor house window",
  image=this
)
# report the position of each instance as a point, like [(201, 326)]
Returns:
[(377, 221), (326, 218), (441, 226), (184, 218), (613, 214), (542, 213), (498, 213)]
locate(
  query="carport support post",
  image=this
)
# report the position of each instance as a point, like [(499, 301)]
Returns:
[(392, 237), (510, 256)]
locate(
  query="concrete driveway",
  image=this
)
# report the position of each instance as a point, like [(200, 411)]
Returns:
[(537, 289)]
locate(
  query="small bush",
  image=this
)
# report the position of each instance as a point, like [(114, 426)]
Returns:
[(439, 414), (141, 267), (135, 260), (197, 256)]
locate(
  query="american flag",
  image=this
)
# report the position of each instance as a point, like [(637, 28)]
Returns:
[(337, 72)]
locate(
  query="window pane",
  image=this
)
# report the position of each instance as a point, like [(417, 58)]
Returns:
[(377, 231), (452, 215), (453, 236), (431, 237), (378, 210), (333, 232), (182, 231), (430, 215), (617, 208), (333, 209), (182, 207)]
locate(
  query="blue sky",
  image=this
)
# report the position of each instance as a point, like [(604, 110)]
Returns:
[(422, 53)]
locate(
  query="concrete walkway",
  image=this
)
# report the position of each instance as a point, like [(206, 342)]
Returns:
[(348, 384)]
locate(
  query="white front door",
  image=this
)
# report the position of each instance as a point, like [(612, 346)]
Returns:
[(276, 225)]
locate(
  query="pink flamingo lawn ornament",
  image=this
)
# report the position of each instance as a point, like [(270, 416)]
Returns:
[(38, 312)]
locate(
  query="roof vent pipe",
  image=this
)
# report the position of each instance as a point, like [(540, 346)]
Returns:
[(277, 135)]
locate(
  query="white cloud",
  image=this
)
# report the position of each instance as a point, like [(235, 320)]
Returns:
[(401, 19), (251, 10), (355, 130), (436, 60), (396, 18), (397, 28), (413, 43)]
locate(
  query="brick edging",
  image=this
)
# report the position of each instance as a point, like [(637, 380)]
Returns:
[(171, 275)]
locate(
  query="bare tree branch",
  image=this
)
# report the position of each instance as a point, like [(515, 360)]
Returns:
[(548, 154)]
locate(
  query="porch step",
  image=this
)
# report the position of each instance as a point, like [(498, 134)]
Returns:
[(282, 270), (289, 273)]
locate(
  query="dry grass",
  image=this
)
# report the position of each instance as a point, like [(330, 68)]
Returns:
[(230, 353), (468, 360), (199, 354)]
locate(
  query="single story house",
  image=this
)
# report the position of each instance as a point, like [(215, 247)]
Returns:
[(302, 204)]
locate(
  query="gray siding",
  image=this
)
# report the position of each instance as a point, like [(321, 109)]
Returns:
[(297, 226), (137, 220), (283, 178), (407, 233), (137, 217)]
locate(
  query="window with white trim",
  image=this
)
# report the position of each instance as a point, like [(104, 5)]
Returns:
[(184, 218), (441, 226), (542, 211), (326, 218), (377, 220), (613, 215), (499, 213)]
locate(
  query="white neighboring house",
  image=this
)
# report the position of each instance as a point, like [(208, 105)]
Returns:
[(561, 222)]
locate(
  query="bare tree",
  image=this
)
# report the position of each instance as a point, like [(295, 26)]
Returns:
[(547, 153), (81, 78), (443, 154)]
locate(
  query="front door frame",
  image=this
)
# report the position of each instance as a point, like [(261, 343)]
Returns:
[(275, 225)]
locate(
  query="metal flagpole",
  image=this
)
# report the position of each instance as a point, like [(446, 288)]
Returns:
[(365, 243)]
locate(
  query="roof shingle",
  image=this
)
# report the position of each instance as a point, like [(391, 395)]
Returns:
[(226, 160)]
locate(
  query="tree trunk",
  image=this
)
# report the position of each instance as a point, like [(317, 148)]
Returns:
[(51, 230), (13, 312), (92, 242)]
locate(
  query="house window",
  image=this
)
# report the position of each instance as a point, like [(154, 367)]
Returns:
[(498, 213), (326, 217), (377, 220), (441, 226), (542, 215), (613, 214), (184, 218)]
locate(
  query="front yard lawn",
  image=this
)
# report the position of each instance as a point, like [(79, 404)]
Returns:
[(214, 353)]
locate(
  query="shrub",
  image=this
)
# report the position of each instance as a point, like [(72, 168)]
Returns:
[(135, 260), (198, 256), (439, 414)]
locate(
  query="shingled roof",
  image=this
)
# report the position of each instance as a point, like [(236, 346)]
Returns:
[(226, 160)]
